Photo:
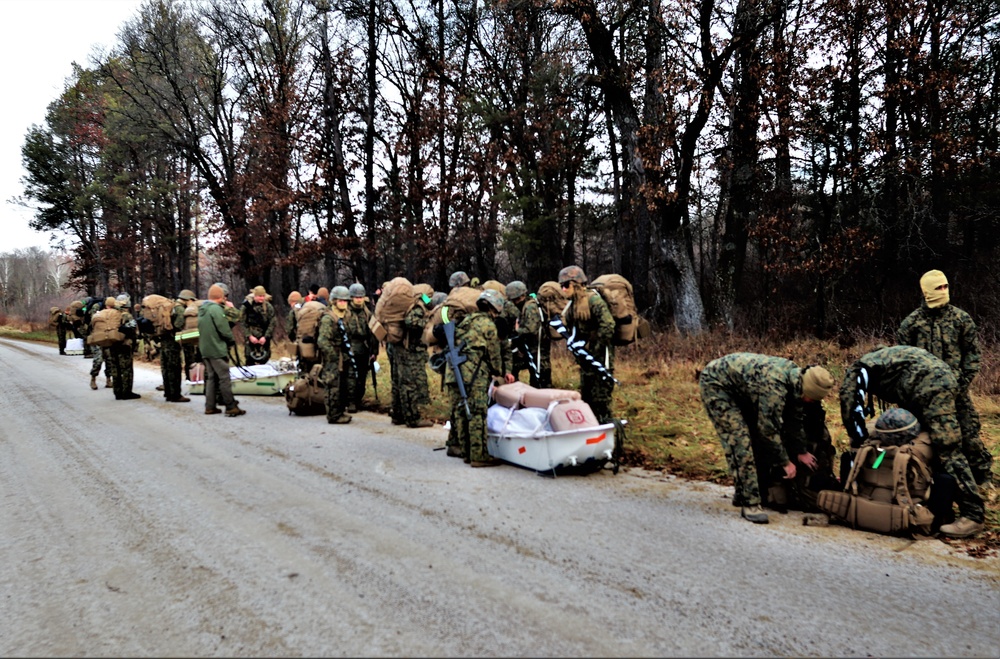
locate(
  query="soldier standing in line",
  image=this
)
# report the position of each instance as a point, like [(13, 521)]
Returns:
[(170, 351), (363, 342), (60, 323), (120, 354), (259, 320), (98, 353), (750, 398), (478, 335), (590, 316), (950, 334), (337, 370), (533, 335), (411, 357), (925, 385), (294, 304)]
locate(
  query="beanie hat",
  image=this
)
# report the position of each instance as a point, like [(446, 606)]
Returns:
[(294, 298), (215, 292), (110, 303), (929, 283), (817, 383), (259, 291), (324, 293)]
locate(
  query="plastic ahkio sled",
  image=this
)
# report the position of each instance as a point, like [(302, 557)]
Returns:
[(256, 380), (74, 346), (564, 434)]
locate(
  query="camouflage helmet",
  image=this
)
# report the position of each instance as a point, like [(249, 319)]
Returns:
[(124, 301), (356, 290), (458, 278), (438, 298), (225, 289), (897, 425), (572, 273), (187, 294), (516, 289), (490, 299), (340, 293)]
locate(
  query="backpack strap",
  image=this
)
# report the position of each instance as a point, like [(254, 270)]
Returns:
[(859, 461)]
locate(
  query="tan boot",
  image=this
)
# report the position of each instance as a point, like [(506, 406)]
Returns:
[(93, 382), (963, 527), (754, 514), (107, 383)]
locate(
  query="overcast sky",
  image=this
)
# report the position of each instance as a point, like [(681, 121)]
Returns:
[(39, 41)]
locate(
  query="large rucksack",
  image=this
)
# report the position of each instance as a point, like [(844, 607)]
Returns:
[(54, 313), (307, 395), (391, 308), (617, 292), (157, 309), (190, 334), (886, 489), (307, 319), (460, 302), (105, 328)]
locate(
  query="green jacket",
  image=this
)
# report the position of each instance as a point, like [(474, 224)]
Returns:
[(215, 335)]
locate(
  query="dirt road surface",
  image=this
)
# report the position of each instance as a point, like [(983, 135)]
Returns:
[(146, 528)]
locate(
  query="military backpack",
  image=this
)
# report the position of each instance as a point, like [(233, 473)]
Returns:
[(307, 395), (105, 328), (887, 487), (617, 293), (307, 319), (157, 309)]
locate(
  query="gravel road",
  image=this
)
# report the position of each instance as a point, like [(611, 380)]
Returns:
[(145, 528)]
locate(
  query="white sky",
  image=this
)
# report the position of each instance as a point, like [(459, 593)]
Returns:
[(39, 41)]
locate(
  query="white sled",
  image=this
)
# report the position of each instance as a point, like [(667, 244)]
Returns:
[(525, 438), (74, 346), (546, 451), (257, 380)]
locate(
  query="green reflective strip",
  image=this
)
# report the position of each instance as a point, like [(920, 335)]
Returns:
[(878, 460), (444, 314)]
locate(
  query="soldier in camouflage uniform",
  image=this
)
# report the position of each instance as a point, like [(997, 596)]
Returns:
[(338, 373), (363, 342), (750, 399), (950, 334), (926, 386), (120, 354), (97, 353), (259, 320), (411, 358), (170, 350), (532, 329), (590, 316), (481, 346)]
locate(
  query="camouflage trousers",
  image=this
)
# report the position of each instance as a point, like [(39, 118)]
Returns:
[(362, 359), (413, 394), (191, 357), (170, 367), (979, 457), (946, 438), (335, 380), (596, 392), (97, 353), (470, 433), (393, 351), (61, 337), (120, 361), (734, 435)]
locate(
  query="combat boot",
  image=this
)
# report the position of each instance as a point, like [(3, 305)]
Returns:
[(107, 383), (962, 528), (492, 462), (455, 452), (352, 409), (420, 423), (754, 514), (235, 411), (343, 418), (93, 382)]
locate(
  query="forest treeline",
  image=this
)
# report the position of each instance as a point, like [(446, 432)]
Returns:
[(759, 165)]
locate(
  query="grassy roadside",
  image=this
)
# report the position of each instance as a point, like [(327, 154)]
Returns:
[(667, 427)]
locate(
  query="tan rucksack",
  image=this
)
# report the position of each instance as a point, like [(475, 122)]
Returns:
[(157, 309), (307, 319), (105, 328), (886, 488), (391, 308), (460, 302), (54, 317), (617, 292), (307, 395), (552, 302), (190, 334)]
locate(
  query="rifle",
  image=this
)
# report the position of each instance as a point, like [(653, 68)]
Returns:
[(346, 342), (576, 347), (455, 359), (519, 344), (374, 380)]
